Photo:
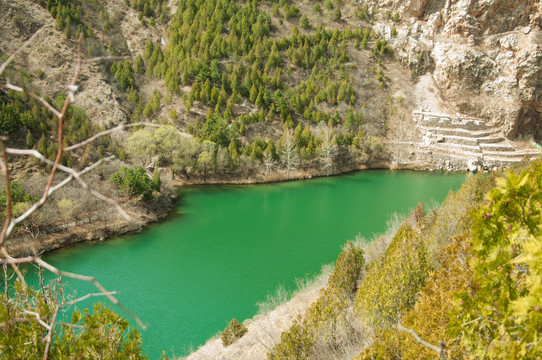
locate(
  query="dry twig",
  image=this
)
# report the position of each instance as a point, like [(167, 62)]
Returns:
[(10, 223), (438, 349)]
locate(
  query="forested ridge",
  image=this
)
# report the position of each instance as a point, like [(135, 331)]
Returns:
[(235, 68)]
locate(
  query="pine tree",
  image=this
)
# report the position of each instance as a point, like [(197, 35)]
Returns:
[(304, 22), (336, 15), (42, 145), (156, 182), (29, 140), (259, 100), (139, 65), (253, 93)]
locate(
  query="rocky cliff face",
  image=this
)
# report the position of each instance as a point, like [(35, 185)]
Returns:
[(485, 56)]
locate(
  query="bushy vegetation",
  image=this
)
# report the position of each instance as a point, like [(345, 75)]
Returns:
[(393, 280), (501, 318), (134, 182), (325, 322), (243, 72), (246, 73), (18, 195), (124, 74), (68, 15), (234, 331), (28, 122), (240, 71), (150, 8)]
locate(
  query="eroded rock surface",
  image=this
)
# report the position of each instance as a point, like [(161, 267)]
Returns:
[(484, 56)]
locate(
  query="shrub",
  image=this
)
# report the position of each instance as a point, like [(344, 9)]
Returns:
[(17, 195), (304, 22), (502, 318), (134, 182), (9, 119), (236, 331), (326, 319), (347, 270), (430, 316), (336, 15), (392, 281), (317, 9)]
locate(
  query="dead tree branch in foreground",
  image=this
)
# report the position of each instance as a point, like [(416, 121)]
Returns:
[(10, 222), (438, 349)]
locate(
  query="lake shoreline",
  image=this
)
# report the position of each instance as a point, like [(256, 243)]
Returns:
[(300, 174), (104, 229)]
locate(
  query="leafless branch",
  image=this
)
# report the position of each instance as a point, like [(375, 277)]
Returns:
[(106, 58), (44, 102), (82, 298), (40, 202), (61, 119), (75, 175), (113, 203), (48, 327), (10, 59), (13, 321), (4, 233), (470, 322), (93, 280), (5, 166), (6, 278), (38, 318), (49, 334), (120, 127), (439, 350), (22, 260), (10, 223), (76, 326)]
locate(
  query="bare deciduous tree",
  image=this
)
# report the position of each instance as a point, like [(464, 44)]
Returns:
[(269, 163), (289, 155), (328, 150)]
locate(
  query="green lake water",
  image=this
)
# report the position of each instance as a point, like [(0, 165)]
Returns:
[(227, 247)]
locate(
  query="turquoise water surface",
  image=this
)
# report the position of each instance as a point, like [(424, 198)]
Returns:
[(227, 247)]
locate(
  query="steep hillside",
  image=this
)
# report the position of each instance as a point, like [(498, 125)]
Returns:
[(483, 55), (359, 69), (44, 68)]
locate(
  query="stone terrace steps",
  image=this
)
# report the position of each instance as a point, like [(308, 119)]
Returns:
[(464, 140), (460, 140), (458, 148), (487, 133), (448, 121), (489, 140), (509, 154), (503, 146), (500, 151)]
